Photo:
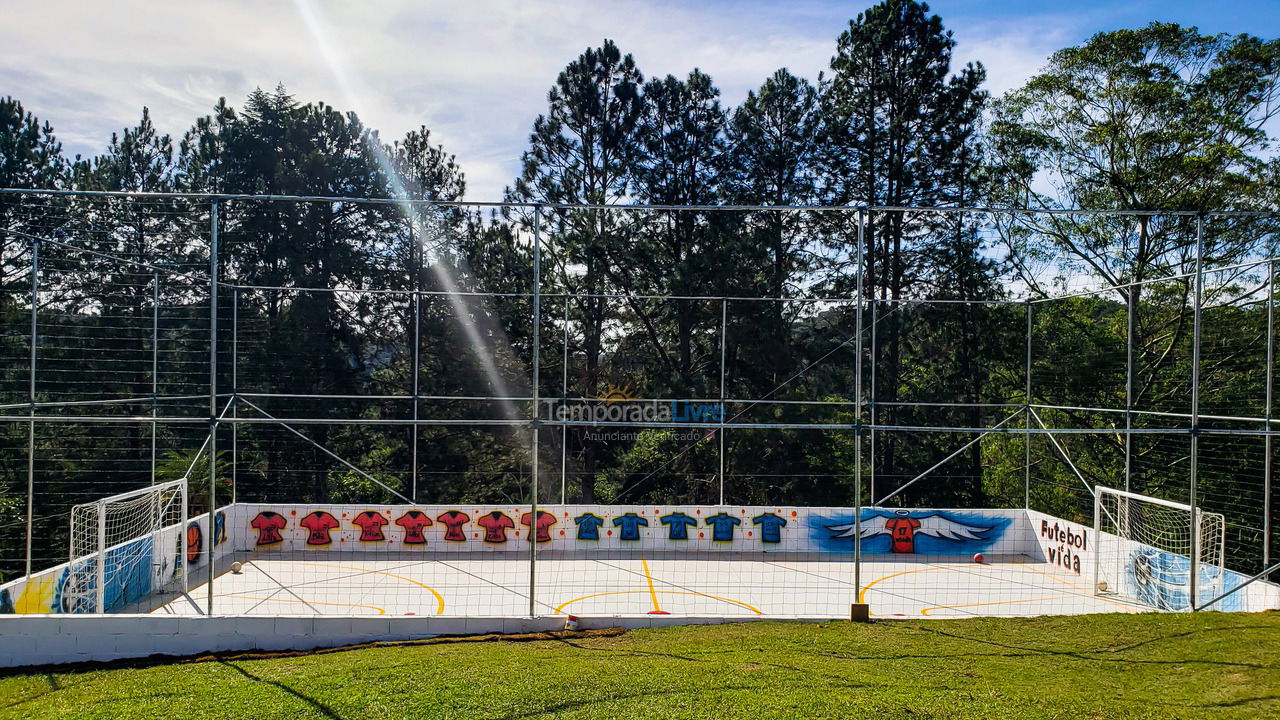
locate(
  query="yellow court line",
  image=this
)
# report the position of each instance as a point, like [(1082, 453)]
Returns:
[(862, 594), (439, 597), (1070, 584), (381, 611), (653, 595), (560, 608), (928, 610)]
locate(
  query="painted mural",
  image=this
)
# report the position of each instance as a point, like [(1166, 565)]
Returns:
[(504, 528), (131, 572), (920, 532)]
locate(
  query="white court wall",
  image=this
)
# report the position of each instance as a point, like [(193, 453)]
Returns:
[(588, 528)]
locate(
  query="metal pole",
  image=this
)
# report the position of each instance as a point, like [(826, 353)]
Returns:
[(857, 445), (724, 322), (1130, 326), (872, 449), (213, 395), (1026, 421), (101, 589), (1193, 589), (235, 388), (417, 349), (564, 393), (31, 397), (1266, 479), (155, 364), (535, 418), (182, 541)]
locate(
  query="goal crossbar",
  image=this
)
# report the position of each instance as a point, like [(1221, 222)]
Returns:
[(1153, 551), (113, 530)]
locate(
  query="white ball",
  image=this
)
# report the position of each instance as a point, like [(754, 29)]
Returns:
[(236, 568), (1103, 586)]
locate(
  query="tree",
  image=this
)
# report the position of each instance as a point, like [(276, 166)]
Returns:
[(771, 160), (584, 150), (678, 253), (1159, 118), (898, 128)]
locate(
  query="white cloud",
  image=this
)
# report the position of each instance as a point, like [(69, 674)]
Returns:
[(475, 73)]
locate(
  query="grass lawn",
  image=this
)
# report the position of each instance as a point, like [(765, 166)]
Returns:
[(1123, 666)]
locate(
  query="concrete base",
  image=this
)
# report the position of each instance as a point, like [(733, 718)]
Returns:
[(55, 639)]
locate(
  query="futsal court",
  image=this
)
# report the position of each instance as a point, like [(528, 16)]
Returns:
[(741, 586)]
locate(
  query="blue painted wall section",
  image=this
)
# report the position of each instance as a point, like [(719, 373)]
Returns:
[(919, 532)]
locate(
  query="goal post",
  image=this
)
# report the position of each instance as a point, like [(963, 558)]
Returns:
[(125, 546), (1146, 547)]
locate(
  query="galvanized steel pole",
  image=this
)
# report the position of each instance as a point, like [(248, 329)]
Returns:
[(31, 397), (213, 399), (1266, 480), (1193, 577), (535, 418)]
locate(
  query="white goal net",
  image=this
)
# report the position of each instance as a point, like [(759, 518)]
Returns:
[(1148, 550), (124, 547)]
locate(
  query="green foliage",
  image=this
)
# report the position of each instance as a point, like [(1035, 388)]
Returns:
[(1112, 666)]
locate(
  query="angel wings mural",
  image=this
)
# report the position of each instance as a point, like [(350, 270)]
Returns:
[(902, 528)]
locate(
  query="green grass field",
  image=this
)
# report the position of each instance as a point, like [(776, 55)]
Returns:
[(1123, 666)]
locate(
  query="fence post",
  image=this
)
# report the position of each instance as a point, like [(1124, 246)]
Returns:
[(857, 444), (101, 589), (31, 398), (1193, 577), (1131, 321), (235, 391), (155, 364), (417, 345), (564, 396), (535, 417), (213, 399), (1266, 480), (724, 322), (1026, 421), (871, 449)]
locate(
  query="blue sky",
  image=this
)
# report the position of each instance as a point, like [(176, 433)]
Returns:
[(477, 72)]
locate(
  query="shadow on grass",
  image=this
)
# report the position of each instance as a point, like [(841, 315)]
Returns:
[(318, 706)]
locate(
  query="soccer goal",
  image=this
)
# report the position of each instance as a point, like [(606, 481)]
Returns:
[(125, 546), (1146, 548)]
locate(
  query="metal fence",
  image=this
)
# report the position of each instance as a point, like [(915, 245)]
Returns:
[(127, 317)]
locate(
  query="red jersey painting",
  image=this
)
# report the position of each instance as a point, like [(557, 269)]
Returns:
[(319, 523), (413, 522), (371, 523), (902, 532), (907, 530), (268, 524), (545, 521), (453, 522), (495, 526)]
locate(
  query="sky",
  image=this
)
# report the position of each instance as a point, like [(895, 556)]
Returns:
[(476, 72)]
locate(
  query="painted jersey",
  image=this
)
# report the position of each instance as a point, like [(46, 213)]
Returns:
[(371, 524), (195, 541), (453, 522), (722, 525), (413, 523), (268, 524), (902, 531), (630, 524), (678, 525), (589, 526), (545, 521), (495, 526), (220, 528), (319, 523), (770, 527)]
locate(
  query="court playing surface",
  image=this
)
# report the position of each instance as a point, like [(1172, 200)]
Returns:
[(746, 586)]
